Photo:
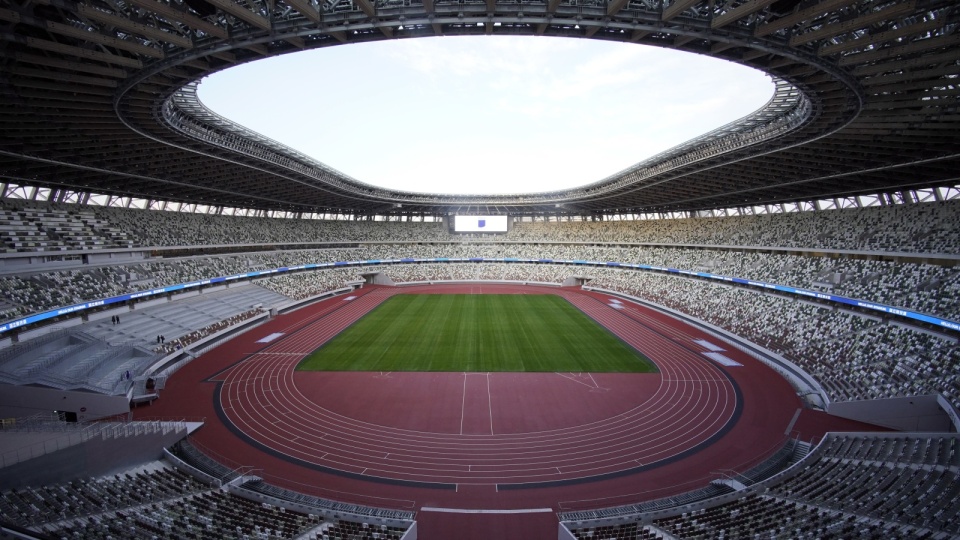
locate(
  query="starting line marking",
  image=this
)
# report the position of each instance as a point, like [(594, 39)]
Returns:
[(721, 359), (707, 345), (270, 338)]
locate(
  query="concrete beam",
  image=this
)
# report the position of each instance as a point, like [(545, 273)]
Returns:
[(242, 13), (171, 13)]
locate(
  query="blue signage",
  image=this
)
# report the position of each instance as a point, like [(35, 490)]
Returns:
[(873, 306)]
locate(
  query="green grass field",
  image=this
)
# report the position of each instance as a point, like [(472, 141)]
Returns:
[(466, 332)]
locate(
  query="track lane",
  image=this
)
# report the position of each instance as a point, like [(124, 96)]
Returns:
[(261, 398)]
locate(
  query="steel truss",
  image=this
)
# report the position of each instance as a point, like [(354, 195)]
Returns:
[(99, 96)]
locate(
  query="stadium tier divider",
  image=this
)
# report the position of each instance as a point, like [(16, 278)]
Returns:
[(880, 305), (241, 482), (785, 457), (169, 364), (73, 433), (166, 366), (936, 455), (293, 305)]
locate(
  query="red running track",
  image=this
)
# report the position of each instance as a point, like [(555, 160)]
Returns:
[(496, 441), (267, 400)]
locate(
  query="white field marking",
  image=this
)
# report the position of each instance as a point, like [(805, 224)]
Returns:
[(721, 359), (576, 379), (489, 403), (463, 404), (271, 337), (271, 377), (594, 380), (707, 345), (347, 299)]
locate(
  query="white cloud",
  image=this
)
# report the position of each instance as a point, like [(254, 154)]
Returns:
[(485, 115)]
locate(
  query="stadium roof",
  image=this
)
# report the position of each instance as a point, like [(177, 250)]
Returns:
[(100, 96)]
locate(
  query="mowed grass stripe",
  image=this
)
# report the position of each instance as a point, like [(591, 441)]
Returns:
[(477, 332)]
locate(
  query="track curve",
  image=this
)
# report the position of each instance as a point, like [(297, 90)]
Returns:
[(692, 404)]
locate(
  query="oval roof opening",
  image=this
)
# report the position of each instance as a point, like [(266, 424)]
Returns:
[(485, 115)]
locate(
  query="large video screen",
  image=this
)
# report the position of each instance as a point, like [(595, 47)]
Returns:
[(481, 224)]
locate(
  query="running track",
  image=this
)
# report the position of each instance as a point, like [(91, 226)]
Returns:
[(485, 441), (693, 404)]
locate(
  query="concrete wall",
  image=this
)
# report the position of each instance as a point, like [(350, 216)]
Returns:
[(19, 401), (96, 457), (44, 330), (377, 278), (108, 313), (950, 411), (50, 261), (325, 513), (564, 534), (115, 257), (914, 413)]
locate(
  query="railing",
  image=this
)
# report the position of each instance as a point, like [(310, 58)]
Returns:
[(319, 503), (195, 455), (67, 434), (769, 467), (647, 506), (225, 471), (20, 348), (37, 422), (140, 427), (69, 383), (202, 346), (43, 448), (766, 467)]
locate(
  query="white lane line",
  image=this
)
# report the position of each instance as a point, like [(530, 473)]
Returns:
[(489, 403), (574, 378), (680, 372), (463, 404)]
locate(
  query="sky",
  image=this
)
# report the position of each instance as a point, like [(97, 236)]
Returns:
[(485, 115)]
